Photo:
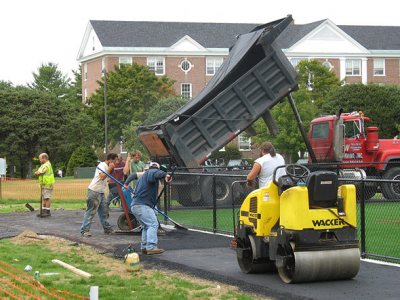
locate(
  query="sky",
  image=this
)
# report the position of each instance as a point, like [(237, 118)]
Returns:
[(42, 31)]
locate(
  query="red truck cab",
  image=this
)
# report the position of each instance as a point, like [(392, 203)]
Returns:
[(348, 138)]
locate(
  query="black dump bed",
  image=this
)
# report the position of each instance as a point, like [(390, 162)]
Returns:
[(253, 78)]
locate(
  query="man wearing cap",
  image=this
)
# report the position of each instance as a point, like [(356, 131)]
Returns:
[(143, 202)]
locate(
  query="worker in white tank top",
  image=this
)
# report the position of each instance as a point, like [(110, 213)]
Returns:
[(265, 166)]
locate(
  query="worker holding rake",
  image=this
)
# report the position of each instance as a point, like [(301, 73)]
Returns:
[(143, 203)]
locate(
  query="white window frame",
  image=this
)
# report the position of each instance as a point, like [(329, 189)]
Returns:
[(184, 62), (121, 148), (379, 67), (125, 60), (327, 64), (244, 142), (186, 94), (156, 65), (85, 97), (103, 66), (213, 64), (352, 65), (85, 75)]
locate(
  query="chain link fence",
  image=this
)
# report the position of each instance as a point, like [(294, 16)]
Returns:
[(211, 202)]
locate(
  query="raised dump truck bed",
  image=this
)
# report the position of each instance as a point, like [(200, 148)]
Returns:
[(253, 78)]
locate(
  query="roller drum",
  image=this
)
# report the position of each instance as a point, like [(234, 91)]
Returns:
[(321, 265)]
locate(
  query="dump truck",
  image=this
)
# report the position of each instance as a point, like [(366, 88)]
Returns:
[(253, 78)]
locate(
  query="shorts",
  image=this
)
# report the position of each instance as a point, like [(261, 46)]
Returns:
[(46, 193)]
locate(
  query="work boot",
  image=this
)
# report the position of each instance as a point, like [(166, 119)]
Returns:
[(44, 213), (154, 251)]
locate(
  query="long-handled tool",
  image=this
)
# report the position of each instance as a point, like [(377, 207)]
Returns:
[(177, 225)]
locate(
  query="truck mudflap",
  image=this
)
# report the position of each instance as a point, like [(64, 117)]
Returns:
[(255, 76)]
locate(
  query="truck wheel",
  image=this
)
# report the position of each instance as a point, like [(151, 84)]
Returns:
[(186, 191), (223, 191), (248, 265), (391, 190), (371, 189), (190, 197)]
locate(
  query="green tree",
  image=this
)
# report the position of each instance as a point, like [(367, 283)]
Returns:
[(163, 109), (75, 90), (157, 113), (380, 103), (315, 82), (83, 156), (50, 79), (4, 85), (131, 92), (34, 122)]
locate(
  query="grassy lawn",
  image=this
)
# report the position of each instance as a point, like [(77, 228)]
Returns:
[(382, 228), (110, 275)]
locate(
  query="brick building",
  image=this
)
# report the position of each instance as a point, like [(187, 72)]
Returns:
[(191, 53)]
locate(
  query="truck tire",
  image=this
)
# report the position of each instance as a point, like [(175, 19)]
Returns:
[(391, 190), (186, 191), (223, 191), (190, 197), (371, 189)]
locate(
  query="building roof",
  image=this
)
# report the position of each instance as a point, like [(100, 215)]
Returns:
[(165, 34), (223, 35), (375, 37)]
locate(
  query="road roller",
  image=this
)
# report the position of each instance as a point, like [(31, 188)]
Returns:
[(302, 224)]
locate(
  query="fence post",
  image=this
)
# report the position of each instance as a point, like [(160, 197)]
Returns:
[(214, 204), (362, 218), (165, 200)]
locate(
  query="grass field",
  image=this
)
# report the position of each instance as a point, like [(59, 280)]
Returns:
[(28, 189)]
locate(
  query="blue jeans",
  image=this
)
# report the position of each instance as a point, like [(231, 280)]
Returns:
[(95, 203), (147, 218), (113, 192)]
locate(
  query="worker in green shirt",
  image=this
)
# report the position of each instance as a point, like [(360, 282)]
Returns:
[(134, 165)]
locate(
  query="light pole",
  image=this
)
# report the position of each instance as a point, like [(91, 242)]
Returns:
[(105, 111)]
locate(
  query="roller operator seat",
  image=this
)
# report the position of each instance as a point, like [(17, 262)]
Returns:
[(322, 189)]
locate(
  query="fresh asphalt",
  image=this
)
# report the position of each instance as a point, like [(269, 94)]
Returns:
[(207, 256)]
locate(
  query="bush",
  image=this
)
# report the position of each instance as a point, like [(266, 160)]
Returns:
[(83, 156)]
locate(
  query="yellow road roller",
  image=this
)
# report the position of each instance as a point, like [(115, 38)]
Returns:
[(303, 224)]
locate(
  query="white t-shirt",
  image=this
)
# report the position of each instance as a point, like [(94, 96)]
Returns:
[(99, 185), (268, 165)]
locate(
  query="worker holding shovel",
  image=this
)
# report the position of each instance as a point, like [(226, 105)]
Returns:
[(143, 203), (46, 181)]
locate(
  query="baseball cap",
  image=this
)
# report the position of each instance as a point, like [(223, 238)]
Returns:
[(153, 164)]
